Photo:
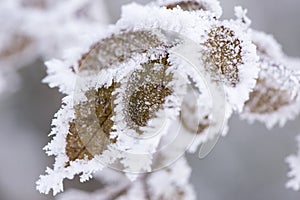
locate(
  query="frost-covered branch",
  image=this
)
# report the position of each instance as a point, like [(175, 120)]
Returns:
[(163, 80)]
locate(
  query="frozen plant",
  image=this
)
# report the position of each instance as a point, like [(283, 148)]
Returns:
[(163, 80)]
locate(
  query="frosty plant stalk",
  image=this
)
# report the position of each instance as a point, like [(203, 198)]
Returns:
[(162, 81)]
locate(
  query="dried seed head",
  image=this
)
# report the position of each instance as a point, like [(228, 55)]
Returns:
[(117, 49), (223, 54), (89, 133)]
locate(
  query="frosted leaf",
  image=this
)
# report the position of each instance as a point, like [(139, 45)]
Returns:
[(115, 52), (225, 53), (148, 100), (81, 138), (231, 59), (275, 98), (119, 48), (294, 173), (89, 132), (241, 69), (146, 92), (212, 6)]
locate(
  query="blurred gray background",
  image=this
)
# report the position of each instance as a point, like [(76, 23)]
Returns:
[(248, 164)]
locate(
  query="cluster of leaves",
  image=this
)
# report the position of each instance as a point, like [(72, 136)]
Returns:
[(130, 94)]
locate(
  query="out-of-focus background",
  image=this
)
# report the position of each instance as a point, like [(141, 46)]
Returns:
[(248, 164)]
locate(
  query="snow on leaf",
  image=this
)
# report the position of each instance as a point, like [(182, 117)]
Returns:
[(89, 132), (147, 101), (231, 59), (118, 48), (82, 134), (146, 92), (225, 53), (110, 53), (275, 98)]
